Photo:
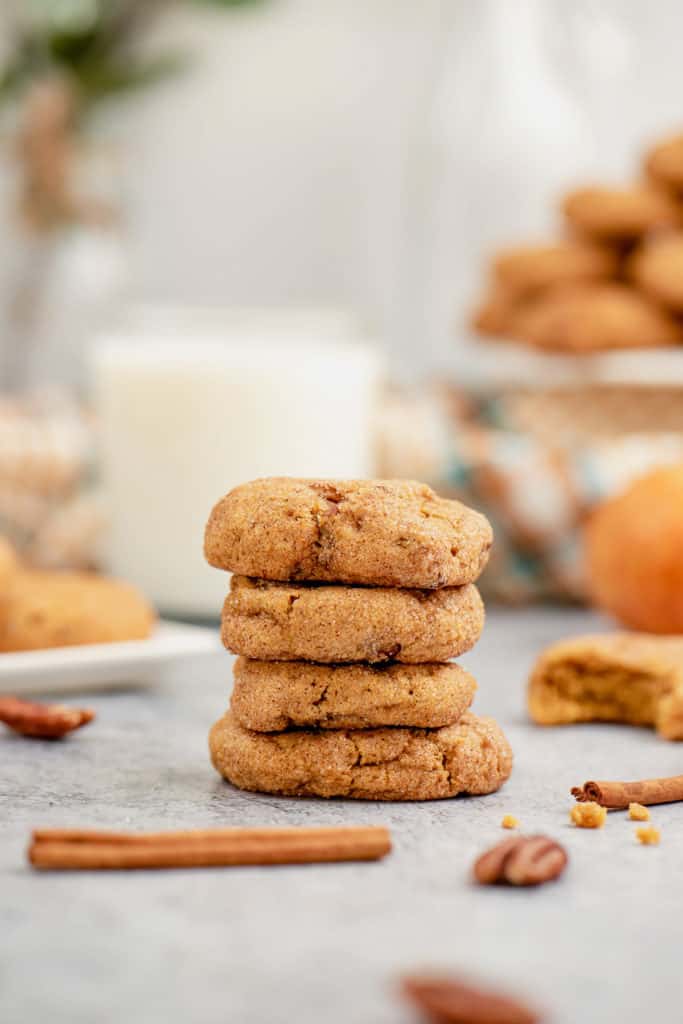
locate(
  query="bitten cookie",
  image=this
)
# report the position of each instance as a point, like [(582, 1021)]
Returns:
[(634, 678), (394, 533), (620, 214), (269, 696), (528, 269), (58, 609), (664, 163), (657, 268), (472, 756), (593, 318), (314, 622)]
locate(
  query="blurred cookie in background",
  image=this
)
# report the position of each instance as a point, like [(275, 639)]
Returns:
[(664, 163), (657, 268), (595, 318), (8, 565), (495, 314), (60, 609), (620, 214), (527, 269)]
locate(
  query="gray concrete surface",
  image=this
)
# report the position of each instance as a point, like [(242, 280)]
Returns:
[(326, 943)]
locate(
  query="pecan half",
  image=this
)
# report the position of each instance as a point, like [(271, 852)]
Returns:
[(44, 721), (446, 1000), (521, 860)]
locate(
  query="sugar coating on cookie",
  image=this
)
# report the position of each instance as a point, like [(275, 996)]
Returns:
[(324, 623), (270, 696), (620, 214), (60, 609), (589, 318), (527, 269), (616, 677), (472, 756), (393, 533)]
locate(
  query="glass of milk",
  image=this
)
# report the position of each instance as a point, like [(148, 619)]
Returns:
[(192, 402)]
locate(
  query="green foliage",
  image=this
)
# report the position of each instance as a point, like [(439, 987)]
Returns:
[(94, 42)]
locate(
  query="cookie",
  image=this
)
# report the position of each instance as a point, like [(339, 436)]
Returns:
[(620, 214), (472, 756), (393, 533), (494, 314), (8, 568), (317, 622), (58, 609), (594, 318), (633, 678), (528, 269), (657, 268), (8, 571), (664, 163), (269, 696)]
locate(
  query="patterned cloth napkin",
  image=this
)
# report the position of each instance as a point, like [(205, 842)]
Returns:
[(536, 483), (535, 464)]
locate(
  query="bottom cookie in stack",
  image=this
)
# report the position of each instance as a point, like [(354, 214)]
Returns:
[(395, 732)]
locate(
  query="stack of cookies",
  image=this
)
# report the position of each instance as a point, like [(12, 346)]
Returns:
[(614, 281), (349, 600)]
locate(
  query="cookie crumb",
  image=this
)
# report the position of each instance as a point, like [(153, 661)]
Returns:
[(588, 815), (509, 821), (637, 812), (648, 836)]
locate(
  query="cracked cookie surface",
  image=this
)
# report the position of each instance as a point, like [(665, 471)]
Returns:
[(633, 678), (472, 756), (394, 533), (269, 696), (312, 622)]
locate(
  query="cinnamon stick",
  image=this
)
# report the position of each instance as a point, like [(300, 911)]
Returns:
[(620, 794), (75, 849), (85, 835)]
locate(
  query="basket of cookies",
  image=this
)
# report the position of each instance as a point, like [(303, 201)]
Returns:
[(590, 325), (613, 280), (572, 383)]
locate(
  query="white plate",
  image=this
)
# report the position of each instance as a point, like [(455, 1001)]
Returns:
[(97, 666)]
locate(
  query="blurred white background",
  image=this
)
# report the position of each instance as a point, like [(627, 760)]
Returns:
[(368, 154), (362, 156)]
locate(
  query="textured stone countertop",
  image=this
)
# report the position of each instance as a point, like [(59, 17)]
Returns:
[(326, 943)]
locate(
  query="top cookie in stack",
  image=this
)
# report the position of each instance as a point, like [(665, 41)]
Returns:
[(350, 599), (382, 533)]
